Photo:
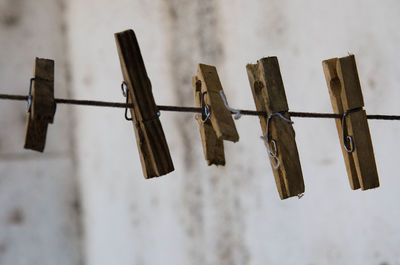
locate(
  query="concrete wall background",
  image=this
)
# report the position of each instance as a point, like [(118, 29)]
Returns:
[(232, 214)]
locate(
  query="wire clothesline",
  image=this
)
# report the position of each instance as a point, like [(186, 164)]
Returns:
[(193, 109)]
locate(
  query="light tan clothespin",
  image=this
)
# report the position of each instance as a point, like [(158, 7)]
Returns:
[(278, 133), (41, 105), (216, 123), (152, 145), (347, 100)]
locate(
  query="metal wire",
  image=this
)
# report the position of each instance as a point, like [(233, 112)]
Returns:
[(194, 109)]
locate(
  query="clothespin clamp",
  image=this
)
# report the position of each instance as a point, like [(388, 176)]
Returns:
[(216, 123), (41, 105), (347, 100), (278, 133), (152, 145)]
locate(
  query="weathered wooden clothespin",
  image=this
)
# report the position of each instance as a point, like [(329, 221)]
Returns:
[(153, 148), (213, 147), (278, 133), (41, 105), (347, 100), (216, 123)]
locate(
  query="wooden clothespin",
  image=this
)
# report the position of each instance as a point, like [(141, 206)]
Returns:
[(213, 147), (279, 136), (216, 124), (153, 148), (347, 100), (41, 105)]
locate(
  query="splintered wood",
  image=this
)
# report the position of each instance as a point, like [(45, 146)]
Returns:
[(345, 93), (43, 107), (152, 145), (269, 96)]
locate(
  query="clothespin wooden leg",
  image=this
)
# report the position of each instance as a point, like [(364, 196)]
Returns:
[(218, 125), (42, 106), (153, 148), (347, 100), (213, 148), (269, 96)]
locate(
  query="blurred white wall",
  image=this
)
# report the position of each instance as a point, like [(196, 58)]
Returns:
[(198, 214), (39, 201)]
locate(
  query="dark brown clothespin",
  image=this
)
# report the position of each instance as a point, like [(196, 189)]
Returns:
[(216, 123), (41, 105), (278, 133), (347, 100), (153, 148)]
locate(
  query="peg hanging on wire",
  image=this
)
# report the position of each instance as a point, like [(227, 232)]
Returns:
[(214, 115)]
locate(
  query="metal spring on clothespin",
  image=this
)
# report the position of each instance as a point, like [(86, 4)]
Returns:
[(232, 110), (346, 137), (267, 141), (125, 90), (205, 109), (30, 94), (125, 93)]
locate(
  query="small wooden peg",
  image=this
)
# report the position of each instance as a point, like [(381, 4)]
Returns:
[(42, 105), (347, 100), (221, 118), (269, 96), (213, 147), (152, 145)]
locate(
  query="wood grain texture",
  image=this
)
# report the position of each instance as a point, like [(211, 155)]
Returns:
[(152, 145), (363, 150), (221, 118), (335, 90), (35, 134), (269, 96), (345, 92), (213, 148), (43, 106)]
